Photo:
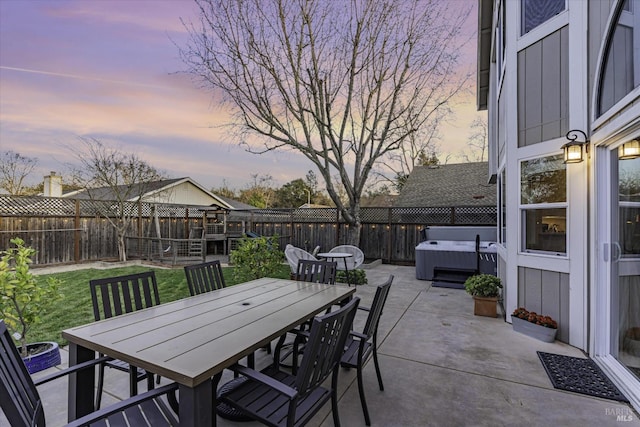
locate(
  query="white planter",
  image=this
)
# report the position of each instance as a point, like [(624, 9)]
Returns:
[(541, 333)]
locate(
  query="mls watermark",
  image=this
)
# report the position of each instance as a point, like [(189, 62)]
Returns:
[(621, 414)]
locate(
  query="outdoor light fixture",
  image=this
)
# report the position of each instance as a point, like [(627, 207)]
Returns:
[(573, 152), (629, 150)]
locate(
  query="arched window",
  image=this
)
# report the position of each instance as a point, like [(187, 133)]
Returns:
[(620, 72)]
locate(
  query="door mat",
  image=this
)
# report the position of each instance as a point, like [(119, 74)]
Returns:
[(579, 375)]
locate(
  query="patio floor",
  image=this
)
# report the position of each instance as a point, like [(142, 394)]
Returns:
[(441, 366)]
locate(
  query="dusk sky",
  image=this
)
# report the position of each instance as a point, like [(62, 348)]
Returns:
[(110, 69)]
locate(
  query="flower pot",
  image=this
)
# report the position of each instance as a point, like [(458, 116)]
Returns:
[(485, 306), (49, 356), (539, 332)]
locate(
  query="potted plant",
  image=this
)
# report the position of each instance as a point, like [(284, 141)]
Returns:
[(485, 289), (22, 300), (534, 325)]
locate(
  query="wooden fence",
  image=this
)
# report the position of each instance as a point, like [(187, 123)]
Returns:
[(72, 231)]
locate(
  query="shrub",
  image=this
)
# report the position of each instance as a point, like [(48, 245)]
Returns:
[(356, 277), (22, 299), (256, 257), (483, 285)]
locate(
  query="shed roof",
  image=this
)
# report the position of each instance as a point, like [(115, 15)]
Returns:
[(459, 184)]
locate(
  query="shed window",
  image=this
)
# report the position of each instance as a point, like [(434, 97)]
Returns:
[(537, 12)]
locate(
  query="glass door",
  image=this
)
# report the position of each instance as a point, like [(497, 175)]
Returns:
[(625, 265)]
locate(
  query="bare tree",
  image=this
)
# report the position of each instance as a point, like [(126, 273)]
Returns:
[(114, 181), (14, 168), (338, 81), (477, 142), (418, 149)]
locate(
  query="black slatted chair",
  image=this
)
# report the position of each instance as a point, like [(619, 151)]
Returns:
[(277, 398), (113, 296), (204, 277), (316, 271), (21, 403), (361, 346)]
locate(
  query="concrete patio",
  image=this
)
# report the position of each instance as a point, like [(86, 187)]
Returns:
[(441, 365)]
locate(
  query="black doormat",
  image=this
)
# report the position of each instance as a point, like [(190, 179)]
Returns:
[(579, 375)]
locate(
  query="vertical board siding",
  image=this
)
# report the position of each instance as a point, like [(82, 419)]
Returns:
[(547, 293), (543, 77)]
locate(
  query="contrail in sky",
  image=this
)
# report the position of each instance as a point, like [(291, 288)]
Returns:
[(75, 76)]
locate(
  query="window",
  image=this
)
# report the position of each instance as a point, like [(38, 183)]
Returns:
[(620, 73), (536, 12), (543, 204), (629, 202), (502, 208)]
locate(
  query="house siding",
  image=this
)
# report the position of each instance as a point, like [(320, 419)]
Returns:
[(546, 292), (543, 89)]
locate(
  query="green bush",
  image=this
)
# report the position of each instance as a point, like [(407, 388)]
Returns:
[(256, 257), (22, 299), (356, 277), (483, 285)]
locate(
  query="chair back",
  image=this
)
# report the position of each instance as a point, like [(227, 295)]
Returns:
[(19, 398), (294, 255), (316, 271), (325, 346), (204, 277), (375, 312), (352, 262), (113, 296)]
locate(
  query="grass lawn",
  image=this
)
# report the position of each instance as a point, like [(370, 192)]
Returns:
[(75, 307)]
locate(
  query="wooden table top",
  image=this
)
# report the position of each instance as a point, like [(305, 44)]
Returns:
[(190, 340)]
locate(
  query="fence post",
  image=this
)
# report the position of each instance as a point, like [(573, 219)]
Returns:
[(337, 226), (76, 233), (390, 235)]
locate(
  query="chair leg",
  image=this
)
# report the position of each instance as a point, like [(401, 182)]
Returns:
[(375, 362), (100, 385), (334, 398), (363, 401), (150, 381), (133, 381)]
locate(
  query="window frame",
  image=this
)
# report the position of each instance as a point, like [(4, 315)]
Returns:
[(525, 208)]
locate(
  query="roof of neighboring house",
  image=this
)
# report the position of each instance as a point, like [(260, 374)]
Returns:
[(236, 204), (148, 190), (379, 201), (460, 184)]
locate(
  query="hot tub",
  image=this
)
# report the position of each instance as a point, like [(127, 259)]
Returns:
[(453, 254)]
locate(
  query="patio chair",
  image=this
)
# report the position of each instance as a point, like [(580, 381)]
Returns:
[(23, 407), (316, 271), (361, 346), (113, 296), (294, 254), (277, 398), (204, 277), (352, 262)]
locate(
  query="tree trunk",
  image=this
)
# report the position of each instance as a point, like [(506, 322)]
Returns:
[(122, 249)]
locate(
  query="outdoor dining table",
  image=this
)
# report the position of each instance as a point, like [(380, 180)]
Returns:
[(192, 340)]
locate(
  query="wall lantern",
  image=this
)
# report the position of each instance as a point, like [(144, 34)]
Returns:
[(573, 152), (629, 150)]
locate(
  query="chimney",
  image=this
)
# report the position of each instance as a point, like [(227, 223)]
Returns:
[(53, 185)]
